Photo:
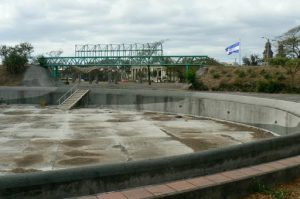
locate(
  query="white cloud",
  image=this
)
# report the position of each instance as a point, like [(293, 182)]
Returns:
[(192, 27)]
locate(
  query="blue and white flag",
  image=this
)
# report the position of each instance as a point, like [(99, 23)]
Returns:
[(234, 48)]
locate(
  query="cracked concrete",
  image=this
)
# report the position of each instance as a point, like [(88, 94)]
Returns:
[(35, 139)]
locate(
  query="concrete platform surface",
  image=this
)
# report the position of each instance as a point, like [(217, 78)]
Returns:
[(39, 139)]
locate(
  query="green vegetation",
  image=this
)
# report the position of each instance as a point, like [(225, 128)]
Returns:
[(292, 67), (196, 84), (289, 43), (253, 60), (42, 61), (216, 76), (15, 58), (270, 191), (267, 79)]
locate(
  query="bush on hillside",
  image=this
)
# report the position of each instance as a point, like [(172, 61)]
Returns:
[(196, 83), (270, 86)]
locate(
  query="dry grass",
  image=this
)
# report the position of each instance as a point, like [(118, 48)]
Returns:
[(7, 79), (217, 75), (291, 190)]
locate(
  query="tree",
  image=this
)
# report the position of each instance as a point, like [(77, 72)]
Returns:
[(292, 66), (42, 60), (280, 50), (291, 42), (253, 60), (246, 61), (212, 62), (15, 58)]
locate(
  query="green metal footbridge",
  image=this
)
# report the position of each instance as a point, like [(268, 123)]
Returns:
[(118, 55)]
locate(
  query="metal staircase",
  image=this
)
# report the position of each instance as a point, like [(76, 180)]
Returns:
[(71, 98)]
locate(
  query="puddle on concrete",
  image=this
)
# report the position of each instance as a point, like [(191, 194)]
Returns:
[(34, 139)]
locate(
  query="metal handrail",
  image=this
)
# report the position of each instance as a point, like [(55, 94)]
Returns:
[(67, 94)]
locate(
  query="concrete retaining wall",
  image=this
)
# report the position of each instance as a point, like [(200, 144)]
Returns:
[(281, 117)]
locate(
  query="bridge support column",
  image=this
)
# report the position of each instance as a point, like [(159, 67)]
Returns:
[(149, 75), (187, 73)]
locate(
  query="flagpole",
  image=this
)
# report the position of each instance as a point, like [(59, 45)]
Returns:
[(240, 52)]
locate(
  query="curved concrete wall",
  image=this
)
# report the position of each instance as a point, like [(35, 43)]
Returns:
[(279, 116)]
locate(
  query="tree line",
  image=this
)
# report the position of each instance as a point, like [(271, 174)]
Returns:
[(15, 57)]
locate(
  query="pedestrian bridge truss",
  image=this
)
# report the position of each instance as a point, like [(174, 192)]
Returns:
[(110, 61)]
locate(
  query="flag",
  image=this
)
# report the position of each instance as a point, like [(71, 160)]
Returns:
[(234, 48)]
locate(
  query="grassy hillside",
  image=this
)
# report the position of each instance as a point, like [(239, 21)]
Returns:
[(7, 79), (249, 79)]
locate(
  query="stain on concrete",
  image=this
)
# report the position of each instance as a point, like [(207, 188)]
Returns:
[(17, 112), (29, 160), (76, 153), (22, 170), (43, 143), (120, 120), (44, 125), (78, 161), (161, 117), (149, 113), (193, 143), (76, 143)]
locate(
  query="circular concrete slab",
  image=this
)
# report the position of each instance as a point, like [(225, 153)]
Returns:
[(33, 139)]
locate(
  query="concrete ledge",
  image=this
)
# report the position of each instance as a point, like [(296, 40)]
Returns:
[(97, 179), (219, 185)]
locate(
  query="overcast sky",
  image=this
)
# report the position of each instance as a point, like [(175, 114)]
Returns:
[(198, 27)]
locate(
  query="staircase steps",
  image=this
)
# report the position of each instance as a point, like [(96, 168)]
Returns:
[(71, 101)]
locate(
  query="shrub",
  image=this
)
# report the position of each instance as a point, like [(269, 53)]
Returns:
[(262, 72), (270, 86), (216, 76), (196, 83), (281, 77), (237, 71), (224, 72), (242, 74), (267, 76), (253, 75)]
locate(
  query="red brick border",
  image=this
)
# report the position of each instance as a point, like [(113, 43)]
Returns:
[(171, 188)]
